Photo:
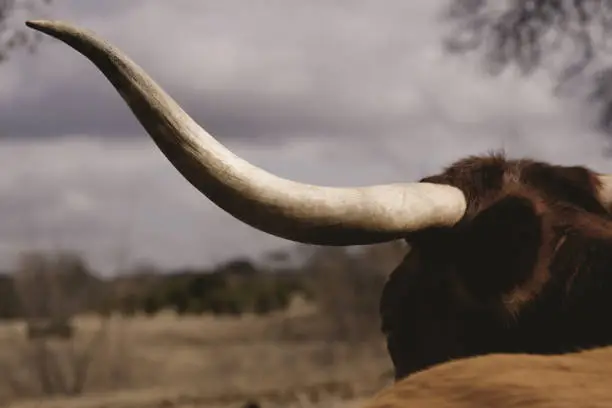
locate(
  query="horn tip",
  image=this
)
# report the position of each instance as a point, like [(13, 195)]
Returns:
[(36, 24), (46, 26)]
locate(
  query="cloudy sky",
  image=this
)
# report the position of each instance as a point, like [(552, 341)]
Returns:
[(327, 92)]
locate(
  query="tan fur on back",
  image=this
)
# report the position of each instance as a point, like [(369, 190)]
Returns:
[(508, 381)]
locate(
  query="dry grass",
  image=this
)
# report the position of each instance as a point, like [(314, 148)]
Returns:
[(168, 361)]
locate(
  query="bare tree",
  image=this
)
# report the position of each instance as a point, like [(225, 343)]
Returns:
[(13, 34), (52, 290), (532, 34), (524, 31), (347, 287)]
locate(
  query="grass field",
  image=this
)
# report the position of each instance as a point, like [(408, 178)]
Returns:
[(198, 361)]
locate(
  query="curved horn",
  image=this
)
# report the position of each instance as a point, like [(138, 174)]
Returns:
[(291, 210), (605, 189)]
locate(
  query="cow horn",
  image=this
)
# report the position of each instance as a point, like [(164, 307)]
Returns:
[(291, 210), (605, 189)]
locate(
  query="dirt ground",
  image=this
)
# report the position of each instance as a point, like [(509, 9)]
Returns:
[(196, 361)]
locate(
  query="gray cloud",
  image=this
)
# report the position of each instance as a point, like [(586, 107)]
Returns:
[(315, 91), (263, 69)]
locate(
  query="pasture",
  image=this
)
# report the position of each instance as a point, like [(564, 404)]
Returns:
[(170, 361)]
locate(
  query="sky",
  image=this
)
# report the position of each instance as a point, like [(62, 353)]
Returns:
[(325, 92)]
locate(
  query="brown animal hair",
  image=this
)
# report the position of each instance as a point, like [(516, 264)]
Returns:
[(507, 381), (525, 270)]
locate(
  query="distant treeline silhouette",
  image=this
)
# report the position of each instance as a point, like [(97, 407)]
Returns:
[(60, 285), (233, 288)]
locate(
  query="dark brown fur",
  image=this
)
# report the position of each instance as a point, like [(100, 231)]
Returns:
[(528, 269)]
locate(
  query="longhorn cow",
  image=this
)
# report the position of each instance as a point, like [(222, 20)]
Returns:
[(507, 256)]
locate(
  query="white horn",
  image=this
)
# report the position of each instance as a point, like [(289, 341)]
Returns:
[(605, 190), (291, 210)]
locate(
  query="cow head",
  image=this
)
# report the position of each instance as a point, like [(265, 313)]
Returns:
[(470, 289), (483, 233)]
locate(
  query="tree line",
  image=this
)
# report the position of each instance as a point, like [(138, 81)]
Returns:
[(61, 285)]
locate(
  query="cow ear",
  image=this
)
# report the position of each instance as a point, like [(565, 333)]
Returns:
[(499, 248)]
